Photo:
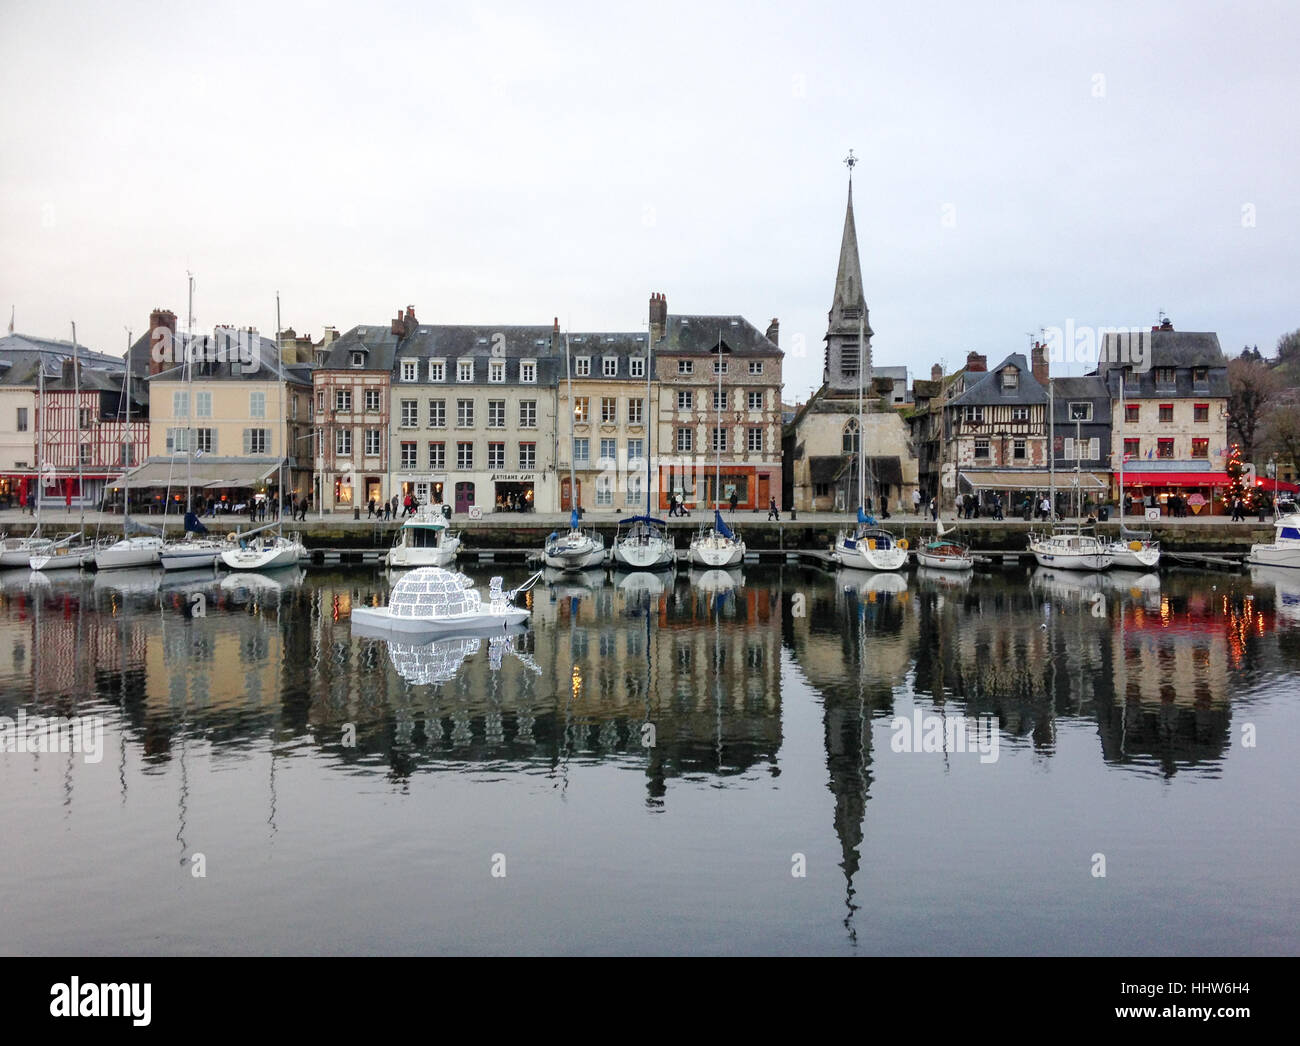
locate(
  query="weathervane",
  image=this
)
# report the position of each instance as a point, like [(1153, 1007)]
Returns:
[(850, 162)]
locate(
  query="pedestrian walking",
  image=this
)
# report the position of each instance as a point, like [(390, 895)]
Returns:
[(916, 502), (370, 509), (934, 510), (735, 500), (772, 512)]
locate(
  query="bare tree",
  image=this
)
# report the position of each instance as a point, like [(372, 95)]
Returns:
[(1280, 431), (1288, 347), (1252, 387)]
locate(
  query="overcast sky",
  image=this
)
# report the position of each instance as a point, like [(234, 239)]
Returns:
[(1023, 166)]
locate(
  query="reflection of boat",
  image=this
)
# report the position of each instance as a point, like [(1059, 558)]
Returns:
[(1067, 583), (854, 579), (643, 582), (246, 585), (129, 581), (434, 601), (424, 540), (440, 660), (1132, 581), (715, 582), (1285, 582), (569, 583), (194, 578), (1284, 551), (1073, 550), (944, 578)]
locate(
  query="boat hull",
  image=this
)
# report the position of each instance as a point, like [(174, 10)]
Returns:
[(191, 558), (410, 556), (380, 621), (1125, 558), (21, 555), (860, 557), (1279, 555), (1073, 560), (943, 562), (650, 556), (63, 559), (278, 558), (129, 553), (716, 554)]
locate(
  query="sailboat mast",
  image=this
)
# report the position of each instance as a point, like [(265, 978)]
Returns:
[(649, 448), (1051, 448), (568, 377), (126, 476), (189, 394), (1122, 378), (280, 386), (76, 398), (717, 472), (40, 438)]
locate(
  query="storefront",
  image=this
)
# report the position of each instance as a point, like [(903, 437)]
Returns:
[(427, 490), (16, 490), (701, 486), (513, 492), (1175, 493)]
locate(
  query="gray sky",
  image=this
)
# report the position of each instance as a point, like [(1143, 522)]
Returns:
[(1023, 165)]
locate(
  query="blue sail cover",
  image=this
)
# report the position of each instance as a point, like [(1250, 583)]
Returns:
[(192, 524), (864, 518), (720, 526), (573, 520)]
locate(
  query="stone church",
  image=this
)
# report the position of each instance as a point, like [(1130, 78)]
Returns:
[(821, 442)]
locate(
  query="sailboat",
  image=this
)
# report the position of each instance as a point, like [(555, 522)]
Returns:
[(718, 545), (140, 544), (73, 551), (575, 550), (645, 545), (868, 547), (1078, 548), (195, 549), (272, 551), (1135, 549), (944, 554)]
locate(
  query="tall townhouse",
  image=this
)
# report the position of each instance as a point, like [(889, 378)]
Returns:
[(611, 424), (229, 423), (352, 388), (473, 413), (1172, 423), (690, 353)]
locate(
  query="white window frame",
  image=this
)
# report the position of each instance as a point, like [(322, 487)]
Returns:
[(582, 366), (410, 369), (409, 414), (635, 411), (437, 413), (464, 414), (685, 366), (496, 455), (636, 366), (755, 366), (203, 404), (529, 463), (343, 442), (685, 441), (754, 439), (438, 370), (374, 442), (528, 372), (528, 414), (754, 398), (497, 408), (465, 370), (496, 372), (609, 366)]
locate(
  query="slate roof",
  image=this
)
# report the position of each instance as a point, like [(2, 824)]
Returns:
[(269, 367), (1090, 388), (698, 336), (457, 342), (19, 354), (989, 390)]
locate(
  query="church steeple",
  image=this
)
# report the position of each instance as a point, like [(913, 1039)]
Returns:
[(848, 307)]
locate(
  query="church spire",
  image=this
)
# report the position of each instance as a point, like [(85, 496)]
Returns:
[(848, 279), (848, 322)]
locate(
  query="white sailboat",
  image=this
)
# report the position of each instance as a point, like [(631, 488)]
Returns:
[(574, 550), (424, 540), (717, 546), (1135, 550), (645, 545), (140, 545), (1078, 549), (944, 554), (195, 550), (867, 546), (271, 551)]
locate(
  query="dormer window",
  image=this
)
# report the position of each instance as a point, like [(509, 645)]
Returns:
[(1010, 378), (1201, 375), (609, 366), (685, 367), (437, 370), (464, 370), (582, 366), (1164, 375), (636, 366), (409, 370), (496, 371), (358, 359), (528, 371)]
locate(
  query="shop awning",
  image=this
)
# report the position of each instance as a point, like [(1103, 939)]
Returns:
[(1264, 483), (210, 474), (1032, 479), (1176, 479)]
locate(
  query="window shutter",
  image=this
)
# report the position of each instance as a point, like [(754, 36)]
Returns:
[(1069, 447), (248, 441), (1094, 452)]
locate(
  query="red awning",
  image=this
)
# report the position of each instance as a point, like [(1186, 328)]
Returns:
[(1176, 479), (1264, 483)]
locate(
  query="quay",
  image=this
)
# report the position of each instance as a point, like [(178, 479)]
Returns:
[(1213, 542)]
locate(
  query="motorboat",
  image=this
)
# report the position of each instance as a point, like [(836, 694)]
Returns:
[(575, 549), (1284, 551), (431, 601), (1076, 550), (645, 545), (424, 540), (869, 547), (717, 546), (257, 550), (195, 550)]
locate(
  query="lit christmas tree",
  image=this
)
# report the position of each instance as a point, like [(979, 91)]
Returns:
[(1236, 486)]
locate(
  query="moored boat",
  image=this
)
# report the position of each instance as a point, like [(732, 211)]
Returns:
[(717, 546), (1284, 550), (644, 546), (424, 540), (267, 552), (1077, 550), (869, 547), (573, 550)]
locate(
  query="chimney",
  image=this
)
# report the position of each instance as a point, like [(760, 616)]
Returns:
[(975, 363), (936, 373), (1167, 325), (400, 326), (411, 321), (1039, 363), (658, 316), (163, 351), (69, 371), (774, 331)]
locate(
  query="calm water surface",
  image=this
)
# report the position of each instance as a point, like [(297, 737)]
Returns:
[(347, 795)]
